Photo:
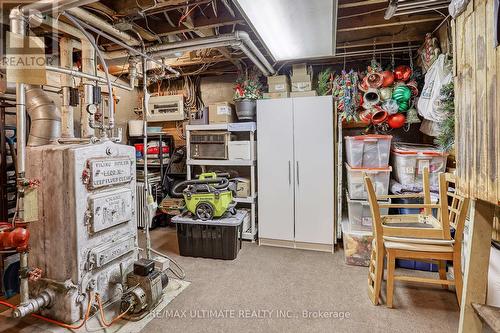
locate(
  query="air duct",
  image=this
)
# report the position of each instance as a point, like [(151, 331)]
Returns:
[(238, 39), (45, 117)]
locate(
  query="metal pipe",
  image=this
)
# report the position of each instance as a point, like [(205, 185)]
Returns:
[(45, 6), (111, 115), (103, 25), (113, 39), (33, 305), (420, 10), (416, 4), (245, 38), (366, 52), (87, 76), (18, 26), (66, 60), (252, 58), (45, 117), (88, 67)]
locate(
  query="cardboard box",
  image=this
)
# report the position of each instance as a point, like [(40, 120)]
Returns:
[(278, 83), (303, 93), (221, 113), (273, 95), (300, 69), (301, 82)]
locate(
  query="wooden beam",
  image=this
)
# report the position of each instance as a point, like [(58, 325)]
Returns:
[(389, 24), (360, 3), (489, 314), (476, 267)]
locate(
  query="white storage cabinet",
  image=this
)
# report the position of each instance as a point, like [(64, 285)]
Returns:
[(296, 172)]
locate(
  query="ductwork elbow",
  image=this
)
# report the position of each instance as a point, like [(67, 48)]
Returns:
[(45, 117), (245, 38)]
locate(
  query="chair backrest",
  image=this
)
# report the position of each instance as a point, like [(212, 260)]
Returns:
[(375, 210), (454, 207)]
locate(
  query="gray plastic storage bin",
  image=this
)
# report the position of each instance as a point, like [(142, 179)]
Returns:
[(409, 161), (360, 215), (356, 182), (368, 151)]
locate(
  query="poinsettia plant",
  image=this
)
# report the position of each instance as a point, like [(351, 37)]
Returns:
[(247, 88)]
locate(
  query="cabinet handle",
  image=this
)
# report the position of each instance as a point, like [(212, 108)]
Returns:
[(289, 173), (298, 178)]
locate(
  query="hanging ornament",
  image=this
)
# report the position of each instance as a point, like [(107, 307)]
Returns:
[(396, 120), (371, 98), (363, 85), (379, 117), (375, 80), (413, 87), (403, 106), (401, 93), (391, 106), (388, 78), (412, 116), (402, 73), (366, 116), (385, 93)]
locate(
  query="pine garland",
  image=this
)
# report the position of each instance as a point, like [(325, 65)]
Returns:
[(325, 79), (446, 138)]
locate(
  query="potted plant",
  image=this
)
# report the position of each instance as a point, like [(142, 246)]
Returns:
[(246, 92)]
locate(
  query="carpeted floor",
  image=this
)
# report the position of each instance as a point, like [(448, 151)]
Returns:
[(270, 289)]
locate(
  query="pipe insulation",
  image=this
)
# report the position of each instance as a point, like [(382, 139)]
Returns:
[(45, 117), (103, 26)]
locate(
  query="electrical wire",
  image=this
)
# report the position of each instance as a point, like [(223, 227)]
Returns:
[(101, 310)]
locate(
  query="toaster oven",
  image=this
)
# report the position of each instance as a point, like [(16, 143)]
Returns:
[(209, 145)]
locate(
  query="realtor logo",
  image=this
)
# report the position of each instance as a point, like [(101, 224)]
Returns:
[(24, 57)]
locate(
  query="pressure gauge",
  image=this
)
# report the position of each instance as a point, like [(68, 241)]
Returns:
[(92, 108)]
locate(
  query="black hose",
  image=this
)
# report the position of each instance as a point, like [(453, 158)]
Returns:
[(217, 183)]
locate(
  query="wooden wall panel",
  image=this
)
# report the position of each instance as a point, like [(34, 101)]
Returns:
[(477, 76)]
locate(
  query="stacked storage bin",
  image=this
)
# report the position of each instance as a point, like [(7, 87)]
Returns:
[(366, 155), (408, 161)]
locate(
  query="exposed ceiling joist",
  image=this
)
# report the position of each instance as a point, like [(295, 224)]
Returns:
[(360, 3), (389, 24)]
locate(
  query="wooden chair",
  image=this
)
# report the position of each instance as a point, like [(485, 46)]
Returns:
[(403, 225), (423, 224), (417, 248)]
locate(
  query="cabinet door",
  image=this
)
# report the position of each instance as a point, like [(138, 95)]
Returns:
[(275, 168), (314, 183)]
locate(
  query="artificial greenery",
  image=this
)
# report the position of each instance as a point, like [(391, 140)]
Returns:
[(325, 82), (446, 138), (247, 87)]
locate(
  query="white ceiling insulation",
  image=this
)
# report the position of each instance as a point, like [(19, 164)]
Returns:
[(293, 29)]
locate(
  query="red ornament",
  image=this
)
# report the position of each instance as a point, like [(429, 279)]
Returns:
[(396, 120), (402, 73), (388, 78), (379, 117)]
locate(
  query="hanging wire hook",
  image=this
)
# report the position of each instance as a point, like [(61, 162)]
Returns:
[(393, 62), (410, 55), (345, 51)]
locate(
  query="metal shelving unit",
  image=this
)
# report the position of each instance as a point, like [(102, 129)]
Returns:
[(249, 127)]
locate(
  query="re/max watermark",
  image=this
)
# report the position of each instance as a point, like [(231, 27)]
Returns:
[(250, 314)]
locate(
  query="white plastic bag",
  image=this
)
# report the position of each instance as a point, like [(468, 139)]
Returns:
[(437, 76), (456, 7)]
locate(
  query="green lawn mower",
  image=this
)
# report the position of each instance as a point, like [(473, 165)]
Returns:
[(208, 196)]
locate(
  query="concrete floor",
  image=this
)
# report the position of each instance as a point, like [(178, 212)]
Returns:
[(246, 295)]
